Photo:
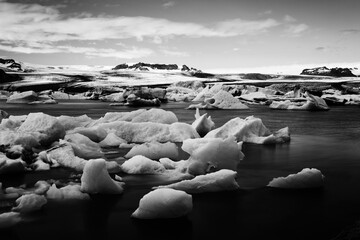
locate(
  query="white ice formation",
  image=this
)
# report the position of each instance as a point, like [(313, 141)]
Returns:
[(164, 203), (96, 179), (155, 150), (251, 130), (306, 178), (222, 180), (142, 165), (212, 154), (29, 203), (202, 124), (69, 192)]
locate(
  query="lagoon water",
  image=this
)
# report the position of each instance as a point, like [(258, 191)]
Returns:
[(329, 141)]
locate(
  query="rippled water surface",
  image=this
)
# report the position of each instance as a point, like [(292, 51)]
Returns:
[(329, 141)]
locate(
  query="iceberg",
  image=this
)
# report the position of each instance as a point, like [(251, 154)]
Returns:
[(202, 124), (96, 179), (83, 147), (69, 122), (313, 103), (306, 178), (212, 154), (222, 180), (155, 150), (112, 140), (251, 130), (66, 193), (164, 203), (8, 165), (29, 203), (142, 165), (149, 131), (9, 219)]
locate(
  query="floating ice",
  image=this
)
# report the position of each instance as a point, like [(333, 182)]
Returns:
[(251, 130), (73, 122), (202, 124), (83, 147), (222, 180), (212, 154), (306, 178), (11, 165), (313, 103), (142, 165), (9, 219), (22, 97), (48, 128), (29, 203), (96, 179), (164, 203), (40, 188), (149, 131), (66, 193), (170, 164), (112, 140), (155, 150)]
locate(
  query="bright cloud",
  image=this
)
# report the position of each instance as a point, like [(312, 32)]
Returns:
[(168, 4), (33, 28)]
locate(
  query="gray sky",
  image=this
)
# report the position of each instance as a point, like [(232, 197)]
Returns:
[(224, 34)]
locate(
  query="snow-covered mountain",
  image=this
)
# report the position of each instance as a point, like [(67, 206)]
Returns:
[(333, 72)]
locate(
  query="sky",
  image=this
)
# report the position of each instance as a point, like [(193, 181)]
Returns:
[(223, 35)]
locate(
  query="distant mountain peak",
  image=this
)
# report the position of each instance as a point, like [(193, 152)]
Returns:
[(332, 72), (141, 66)]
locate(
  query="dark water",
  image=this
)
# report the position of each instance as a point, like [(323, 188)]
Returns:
[(329, 141)]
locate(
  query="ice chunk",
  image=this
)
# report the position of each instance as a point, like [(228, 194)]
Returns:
[(29, 203), (73, 122), (40, 187), (65, 156), (164, 203), (155, 150), (208, 92), (202, 124), (66, 193), (95, 134), (22, 97), (224, 100), (148, 131), (313, 103), (170, 164), (306, 178), (48, 128), (112, 140), (222, 180), (9, 219), (250, 129), (212, 154), (96, 179), (83, 147), (40, 165), (142, 165)]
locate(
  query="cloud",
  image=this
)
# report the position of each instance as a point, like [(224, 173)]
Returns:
[(174, 53), (321, 49), (168, 4), (296, 29), (289, 19), (350, 31)]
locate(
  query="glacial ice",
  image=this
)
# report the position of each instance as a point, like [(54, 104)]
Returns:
[(306, 178), (222, 180), (73, 122), (9, 219), (48, 128), (208, 92), (96, 179), (211, 154), (164, 203), (22, 97), (83, 147), (29, 203), (112, 140), (171, 165), (149, 131), (66, 193), (202, 124), (221, 100), (251, 130), (40, 188), (142, 165), (10, 165), (313, 103), (155, 150)]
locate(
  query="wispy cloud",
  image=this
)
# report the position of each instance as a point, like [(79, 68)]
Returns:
[(351, 31), (168, 4), (175, 53), (33, 28), (296, 29)]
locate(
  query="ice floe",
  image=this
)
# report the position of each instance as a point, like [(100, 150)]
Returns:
[(96, 179), (251, 130), (155, 150), (29, 203), (164, 203), (222, 180), (68, 192), (202, 124), (212, 154), (142, 165), (9, 219), (306, 178)]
